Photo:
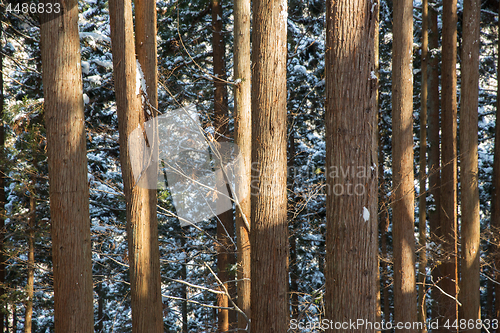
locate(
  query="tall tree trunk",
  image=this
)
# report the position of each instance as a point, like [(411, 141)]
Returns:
[(66, 148), (405, 306), (243, 139), (225, 225), (269, 234), (470, 228), (351, 146), (434, 150), (495, 200), (31, 257), (449, 270), (422, 220), (142, 229)]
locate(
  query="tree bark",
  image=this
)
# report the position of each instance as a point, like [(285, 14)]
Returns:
[(243, 139), (66, 148), (405, 306), (422, 220), (470, 228), (269, 234), (142, 229), (449, 270), (351, 146)]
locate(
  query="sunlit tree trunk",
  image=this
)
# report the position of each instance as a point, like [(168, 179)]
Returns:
[(142, 229), (405, 305), (66, 149), (470, 228), (449, 271), (269, 234), (243, 139), (351, 109)]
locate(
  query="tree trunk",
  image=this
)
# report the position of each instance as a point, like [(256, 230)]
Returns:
[(470, 228), (225, 225), (142, 229), (422, 220), (405, 306), (351, 149), (66, 148), (243, 139), (269, 235), (449, 270), (495, 200), (31, 258)]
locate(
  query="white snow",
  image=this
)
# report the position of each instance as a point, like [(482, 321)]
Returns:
[(85, 67), (218, 17), (300, 69), (366, 214), (140, 81), (85, 99), (373, 76)]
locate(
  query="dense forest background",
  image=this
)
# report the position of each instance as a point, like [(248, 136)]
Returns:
[(188, 255)]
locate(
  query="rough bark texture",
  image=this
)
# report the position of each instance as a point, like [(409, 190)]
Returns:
[(269, 234), (405, 305), (66, 148), (470, 228), (351, 147), (142, 229), (225, 224), (243, 138), (434, 150), (448, 270), (422, 220), (495, 201), (31, 258)]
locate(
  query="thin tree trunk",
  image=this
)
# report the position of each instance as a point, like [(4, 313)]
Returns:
[(142, 229), (495, 200), (31, 257), (351, 206), (470, 228), (225, 225), (243, 139), (449, 270), (100, 308), (405, 305), (269, 234), (66, 148), (422, 220)]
